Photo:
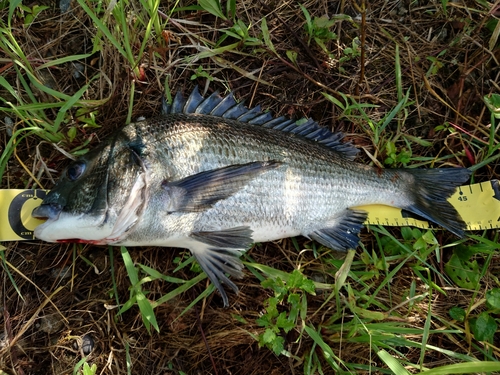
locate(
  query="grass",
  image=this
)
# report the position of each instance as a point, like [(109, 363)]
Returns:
[(411, 94)]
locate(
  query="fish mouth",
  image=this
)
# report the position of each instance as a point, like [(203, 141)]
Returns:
[(68, 227), (48, 211)]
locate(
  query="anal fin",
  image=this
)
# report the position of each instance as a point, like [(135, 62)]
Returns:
[(343, 233), (218, 254)]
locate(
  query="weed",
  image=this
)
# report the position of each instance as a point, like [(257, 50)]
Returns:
[(201, 73), (31, 115), (350, 53), (396, 156), (29, 14), (318, 29), (382, 140), (89, 370), (466, 272), (293, 293), (141, 274), (214, 7), (137, 294), (82, 367), (240, 32)]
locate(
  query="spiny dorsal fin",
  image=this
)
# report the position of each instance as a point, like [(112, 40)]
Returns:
[(228, 107)]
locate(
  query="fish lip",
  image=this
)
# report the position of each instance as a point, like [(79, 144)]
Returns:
[(58, 230), (49, 211)]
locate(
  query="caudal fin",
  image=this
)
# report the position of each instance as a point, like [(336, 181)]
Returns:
[(430, 192)]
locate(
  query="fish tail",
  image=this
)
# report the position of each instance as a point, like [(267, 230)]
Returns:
[(430, 193)]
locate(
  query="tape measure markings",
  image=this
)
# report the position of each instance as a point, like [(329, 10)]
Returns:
[(16, 206)]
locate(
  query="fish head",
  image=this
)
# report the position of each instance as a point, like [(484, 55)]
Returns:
[(98, 198)]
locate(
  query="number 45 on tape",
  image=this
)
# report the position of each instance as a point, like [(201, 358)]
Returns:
[(477, 204)]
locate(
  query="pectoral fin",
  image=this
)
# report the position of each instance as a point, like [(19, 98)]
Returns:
[(218, 254), (201, 191)]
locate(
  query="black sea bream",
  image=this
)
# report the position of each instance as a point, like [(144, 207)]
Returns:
[(214, 177)]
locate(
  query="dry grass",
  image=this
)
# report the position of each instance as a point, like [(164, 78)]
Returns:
[(207, 338)]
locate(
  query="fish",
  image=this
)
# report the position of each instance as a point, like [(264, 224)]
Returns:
[(213, 176)]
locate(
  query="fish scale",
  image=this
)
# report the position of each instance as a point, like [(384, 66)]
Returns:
[(212, 176), (209, 149)]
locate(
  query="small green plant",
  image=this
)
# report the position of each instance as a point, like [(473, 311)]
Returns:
[(89, 370), (422, 241), (240, 32), (383, 141), (484, 326), (395, 156), (350, 53), (22, 105), (466, 272), (29, 14), (83, 368), (436, 65), (318, 29), (351, 109), (293, 294), (492, 101), (119, 27), (201, 73), (462, 269)]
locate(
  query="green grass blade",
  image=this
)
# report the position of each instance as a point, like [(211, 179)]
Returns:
[(213, 7), (13, 4), (208, 291), (464, 368), (103, 28), (392, 363), (267, 37), (327, 351), (181, 289), (63, 60), (147, 312), (113, 278), (393, 113), (399, 83), (129, 265), (6, 268), (70, 103), (158, 275)]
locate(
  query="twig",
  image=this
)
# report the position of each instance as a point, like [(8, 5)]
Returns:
[(200, 327)]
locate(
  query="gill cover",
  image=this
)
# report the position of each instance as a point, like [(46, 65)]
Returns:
[(98, 198)]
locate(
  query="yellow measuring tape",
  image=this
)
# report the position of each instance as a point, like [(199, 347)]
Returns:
[(478, 204)]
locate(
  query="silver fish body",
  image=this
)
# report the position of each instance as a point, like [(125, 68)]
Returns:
[(214, 177)]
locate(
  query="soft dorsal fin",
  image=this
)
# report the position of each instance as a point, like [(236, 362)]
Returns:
[(228, 107)]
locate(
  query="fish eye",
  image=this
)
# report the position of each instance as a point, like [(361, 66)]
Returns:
[(75, 170)]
